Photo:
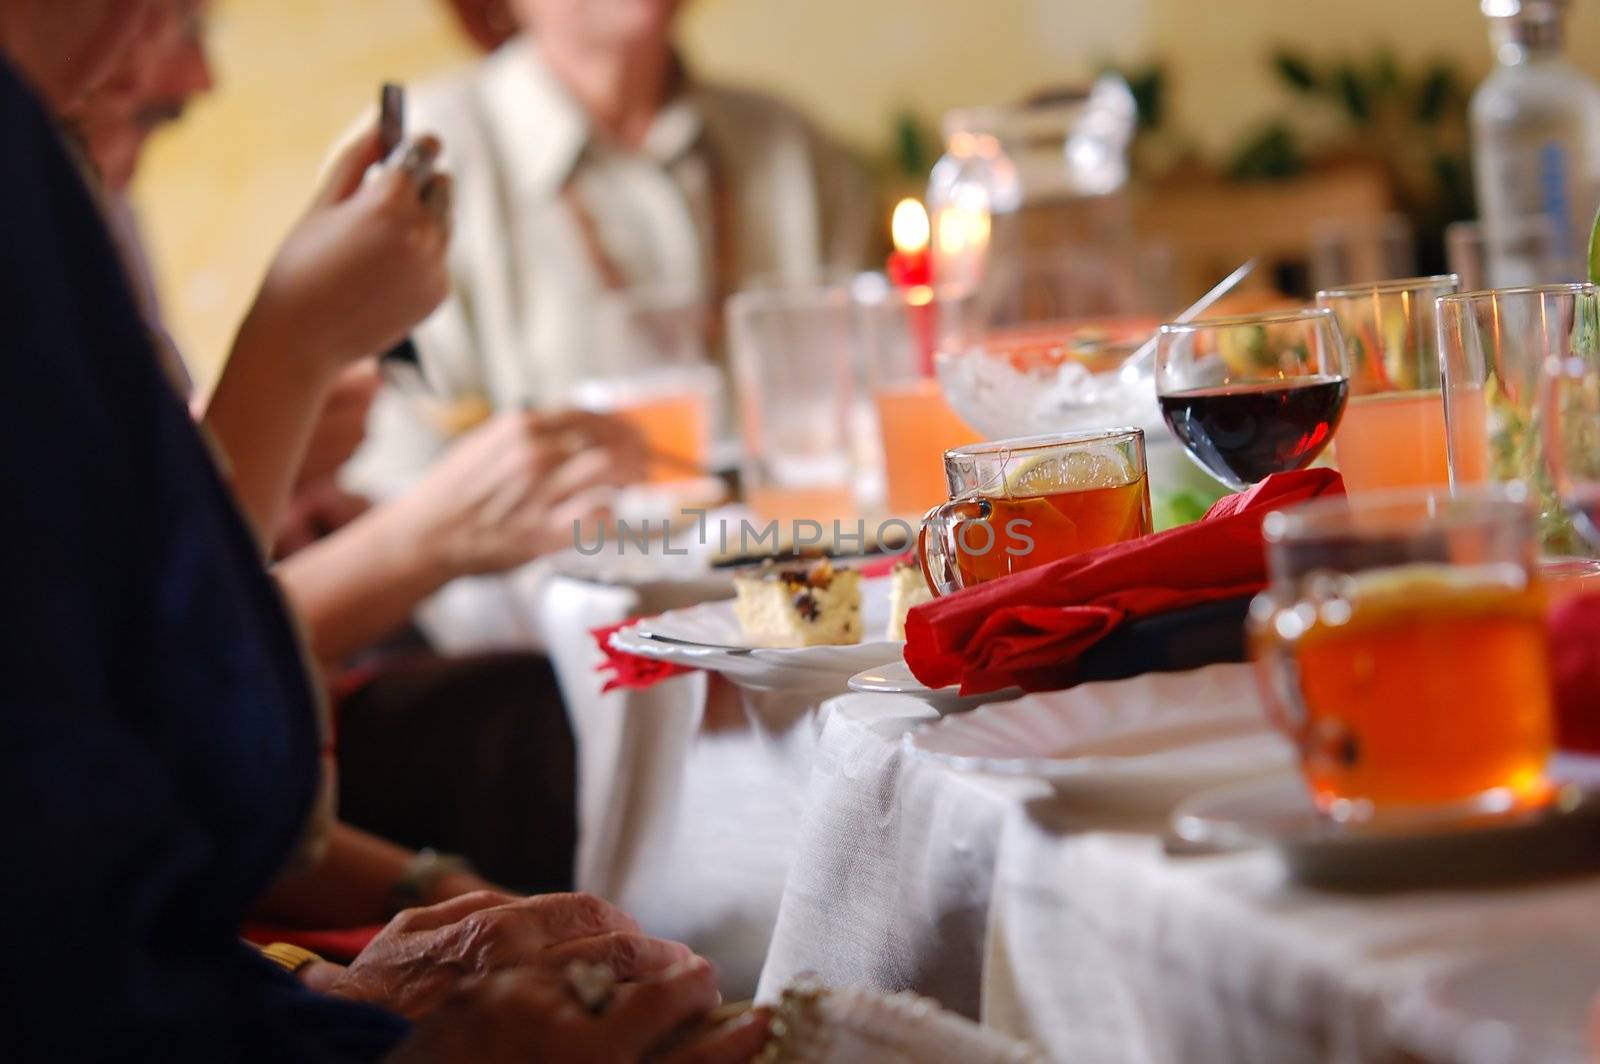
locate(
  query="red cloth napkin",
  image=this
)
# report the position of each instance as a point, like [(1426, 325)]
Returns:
[(1575, 658), (1029, 630), (340, 944), (630, 672)]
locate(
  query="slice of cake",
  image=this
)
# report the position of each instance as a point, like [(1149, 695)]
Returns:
[(799, 606), (907, 588)]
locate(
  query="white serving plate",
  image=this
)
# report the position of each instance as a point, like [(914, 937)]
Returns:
[(1147, 741), (895, 678), (708, 636)]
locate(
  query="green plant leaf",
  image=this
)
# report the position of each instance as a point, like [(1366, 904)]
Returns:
[(1434, 94), (1273, 153), (1296, 71), (1353, 93), (913, 153)]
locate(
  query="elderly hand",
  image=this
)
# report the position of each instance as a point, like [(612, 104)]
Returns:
[(365, 264), (519, 486), (424, 955), (531, 1015)]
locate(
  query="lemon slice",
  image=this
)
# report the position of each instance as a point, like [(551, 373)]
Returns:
[(1051, 474)]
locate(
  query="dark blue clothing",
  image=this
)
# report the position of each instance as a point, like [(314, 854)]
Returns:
[(158, 740)]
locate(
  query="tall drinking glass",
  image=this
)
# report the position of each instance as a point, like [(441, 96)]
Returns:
[(649, 367), (1252, 396), (916, 426), (1392, 434), (1401, 646), (793, 360), (1495, 344), (1569, 411)]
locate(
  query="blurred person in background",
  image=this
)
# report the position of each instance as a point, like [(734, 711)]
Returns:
[(470, 755), (488, 23), (156, 712), (590, 162)]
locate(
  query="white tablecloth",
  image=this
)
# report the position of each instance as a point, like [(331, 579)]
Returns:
[(890, 889), (1061, 927), (1105, 949), (1072, 929)]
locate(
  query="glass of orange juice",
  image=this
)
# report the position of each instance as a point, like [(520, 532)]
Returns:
[(1401, 645), (1019, 504), (896, 329), (1393, 432), (650, 367)]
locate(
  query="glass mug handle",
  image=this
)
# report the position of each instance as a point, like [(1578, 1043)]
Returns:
[(936, 552), (1274, 631)]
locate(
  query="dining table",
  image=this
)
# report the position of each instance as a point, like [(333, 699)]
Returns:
[(810, 836)]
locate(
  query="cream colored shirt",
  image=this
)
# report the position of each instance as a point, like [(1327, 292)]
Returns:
[(520, 325)]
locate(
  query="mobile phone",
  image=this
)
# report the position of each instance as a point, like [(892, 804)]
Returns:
[(391, 116), (391, 131)]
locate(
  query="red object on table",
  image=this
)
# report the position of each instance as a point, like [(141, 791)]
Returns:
[(1575, 660), (630, 672), (910, 268), (339, 945), (1029, 629)]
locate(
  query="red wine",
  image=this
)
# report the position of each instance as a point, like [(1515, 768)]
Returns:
[(1244, 433)]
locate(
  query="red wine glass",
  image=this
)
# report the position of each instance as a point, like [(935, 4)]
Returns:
[(1252, 396)]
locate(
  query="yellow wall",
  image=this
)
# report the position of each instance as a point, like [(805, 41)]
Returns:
[(219, 190)]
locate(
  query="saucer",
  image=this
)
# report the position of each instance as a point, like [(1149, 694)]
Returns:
[(1561, 838)]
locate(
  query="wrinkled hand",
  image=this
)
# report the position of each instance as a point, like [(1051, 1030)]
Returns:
[(363, 266), (426, 954), (529, 1015), (519, 486)]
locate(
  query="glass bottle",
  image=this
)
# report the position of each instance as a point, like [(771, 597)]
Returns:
[(1536, 148)]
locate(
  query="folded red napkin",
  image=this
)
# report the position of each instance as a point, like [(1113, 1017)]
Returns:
[(630, 672), (1028, 630), (1575, 659)]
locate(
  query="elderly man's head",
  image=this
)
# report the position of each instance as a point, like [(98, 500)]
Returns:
[(69, 48), (599, 23), (488, 22), (160, 76)]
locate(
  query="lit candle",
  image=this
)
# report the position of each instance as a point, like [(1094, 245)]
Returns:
[(909, 262), (911, 267)]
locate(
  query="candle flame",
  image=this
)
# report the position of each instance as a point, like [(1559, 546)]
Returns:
[(909, 226)]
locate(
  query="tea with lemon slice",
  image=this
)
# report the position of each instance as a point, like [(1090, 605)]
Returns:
[(1421, 686), (1019, 504)]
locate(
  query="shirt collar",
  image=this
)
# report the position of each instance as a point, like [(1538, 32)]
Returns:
[(545, 133)]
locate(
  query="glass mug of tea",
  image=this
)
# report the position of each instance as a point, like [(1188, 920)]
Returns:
[(1018, 504), (1401, 646)]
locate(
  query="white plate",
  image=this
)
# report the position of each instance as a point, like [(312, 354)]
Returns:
[(708, 636), (895, 678), (1278, 813), (1148, 741)]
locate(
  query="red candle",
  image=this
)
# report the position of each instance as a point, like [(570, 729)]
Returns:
[(910, 266)]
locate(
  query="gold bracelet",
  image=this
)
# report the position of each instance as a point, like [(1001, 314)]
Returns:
[(290, 958)]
